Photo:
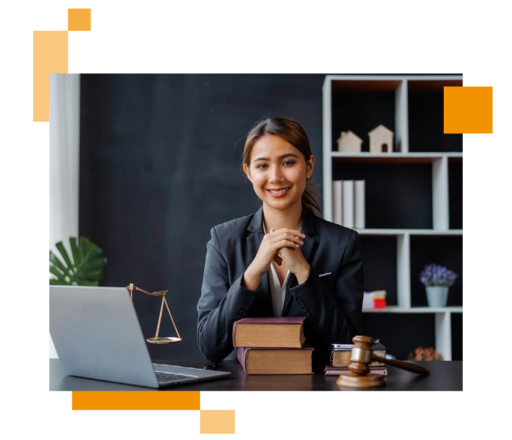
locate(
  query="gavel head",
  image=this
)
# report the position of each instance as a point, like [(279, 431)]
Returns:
[(361, 355)]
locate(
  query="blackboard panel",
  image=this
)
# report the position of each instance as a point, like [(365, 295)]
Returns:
[(455, 195), (160, 165)]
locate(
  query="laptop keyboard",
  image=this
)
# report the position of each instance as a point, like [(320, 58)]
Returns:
[(171, 377)]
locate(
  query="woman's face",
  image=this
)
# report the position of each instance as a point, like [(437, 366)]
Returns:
[(278, 172)]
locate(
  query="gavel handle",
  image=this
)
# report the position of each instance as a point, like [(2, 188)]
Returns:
[(413, 368)]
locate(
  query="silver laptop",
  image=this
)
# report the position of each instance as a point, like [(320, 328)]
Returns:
[(97, 335)]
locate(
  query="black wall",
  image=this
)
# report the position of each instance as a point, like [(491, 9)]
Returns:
[(160, 165)]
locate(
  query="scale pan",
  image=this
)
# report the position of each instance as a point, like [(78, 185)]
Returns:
[(164, 340)]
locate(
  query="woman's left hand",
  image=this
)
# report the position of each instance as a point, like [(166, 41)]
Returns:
[(295, 261)]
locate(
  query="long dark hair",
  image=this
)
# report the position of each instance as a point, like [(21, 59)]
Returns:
[(293, 133)]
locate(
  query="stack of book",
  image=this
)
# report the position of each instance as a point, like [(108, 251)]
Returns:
[(272, 346), (340, 359), (348, 203)]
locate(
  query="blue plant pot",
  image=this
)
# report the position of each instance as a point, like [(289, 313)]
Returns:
[(437, 296)]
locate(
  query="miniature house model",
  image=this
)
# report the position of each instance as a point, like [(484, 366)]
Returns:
[(381, 140), (349, 142)]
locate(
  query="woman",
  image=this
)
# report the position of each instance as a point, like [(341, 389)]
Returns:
[(283, 260)]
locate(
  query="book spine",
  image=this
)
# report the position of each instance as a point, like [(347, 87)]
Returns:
[(348, 203), (241, 354), (359, 189), (234, 333), (337, 202)]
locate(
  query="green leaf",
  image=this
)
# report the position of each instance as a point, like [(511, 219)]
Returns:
[(86, 268), (54, 282), (58, 274), (94, 251), (56, 262), (91, 274), (96, 262), (64, 254), (74, 249), (84, 247)]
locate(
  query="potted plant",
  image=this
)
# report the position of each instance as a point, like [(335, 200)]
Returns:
[(437, 280), (83, 268)]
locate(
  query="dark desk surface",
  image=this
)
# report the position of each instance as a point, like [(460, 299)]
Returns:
[(444, 376)]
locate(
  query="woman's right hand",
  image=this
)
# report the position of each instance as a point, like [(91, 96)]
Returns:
[(270, 245)]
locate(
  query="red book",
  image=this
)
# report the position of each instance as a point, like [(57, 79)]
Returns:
[(279, 332), (276, 360)]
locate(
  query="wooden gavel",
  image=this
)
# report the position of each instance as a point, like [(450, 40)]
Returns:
[(360, 359)]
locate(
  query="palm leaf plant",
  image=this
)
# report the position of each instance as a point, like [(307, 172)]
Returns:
[(86, 268)]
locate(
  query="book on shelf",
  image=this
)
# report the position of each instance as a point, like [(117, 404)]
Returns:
[(276, 360), (336, 371), (337, 202), (340, 354), (359, 207), (278, 332), (348, 203)]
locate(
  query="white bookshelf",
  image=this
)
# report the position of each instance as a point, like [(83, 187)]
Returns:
[(440, 187)]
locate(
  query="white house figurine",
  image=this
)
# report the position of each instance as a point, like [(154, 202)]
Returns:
[(381, 140), (349, 142)]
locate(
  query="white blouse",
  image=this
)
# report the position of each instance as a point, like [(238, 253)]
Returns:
[(277, 290)]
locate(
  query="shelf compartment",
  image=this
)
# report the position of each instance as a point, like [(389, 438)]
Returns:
[(481, 337), (480, 193), (401, 333), (380, 265), (362, 105), (397, 196), (482, 262)]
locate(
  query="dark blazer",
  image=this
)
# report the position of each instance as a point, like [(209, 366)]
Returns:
[(331, 298)]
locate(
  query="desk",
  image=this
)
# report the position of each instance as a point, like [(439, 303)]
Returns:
[(444, 376)]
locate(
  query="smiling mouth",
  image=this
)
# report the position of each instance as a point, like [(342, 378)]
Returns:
[(278, 191)]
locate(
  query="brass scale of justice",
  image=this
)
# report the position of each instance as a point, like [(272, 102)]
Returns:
[(360, 358), (158, 340)]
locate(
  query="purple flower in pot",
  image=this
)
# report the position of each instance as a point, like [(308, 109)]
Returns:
[(437, 280)]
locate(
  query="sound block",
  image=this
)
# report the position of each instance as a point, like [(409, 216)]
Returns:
[(352, 380)]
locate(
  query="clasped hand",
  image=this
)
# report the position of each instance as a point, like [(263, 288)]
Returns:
[(282, 245)]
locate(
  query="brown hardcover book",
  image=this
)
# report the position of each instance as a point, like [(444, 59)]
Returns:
[(340, 356), (276, 360), (336, 371), (282, 332)]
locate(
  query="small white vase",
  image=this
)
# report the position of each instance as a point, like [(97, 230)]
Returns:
[(437, 296)]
